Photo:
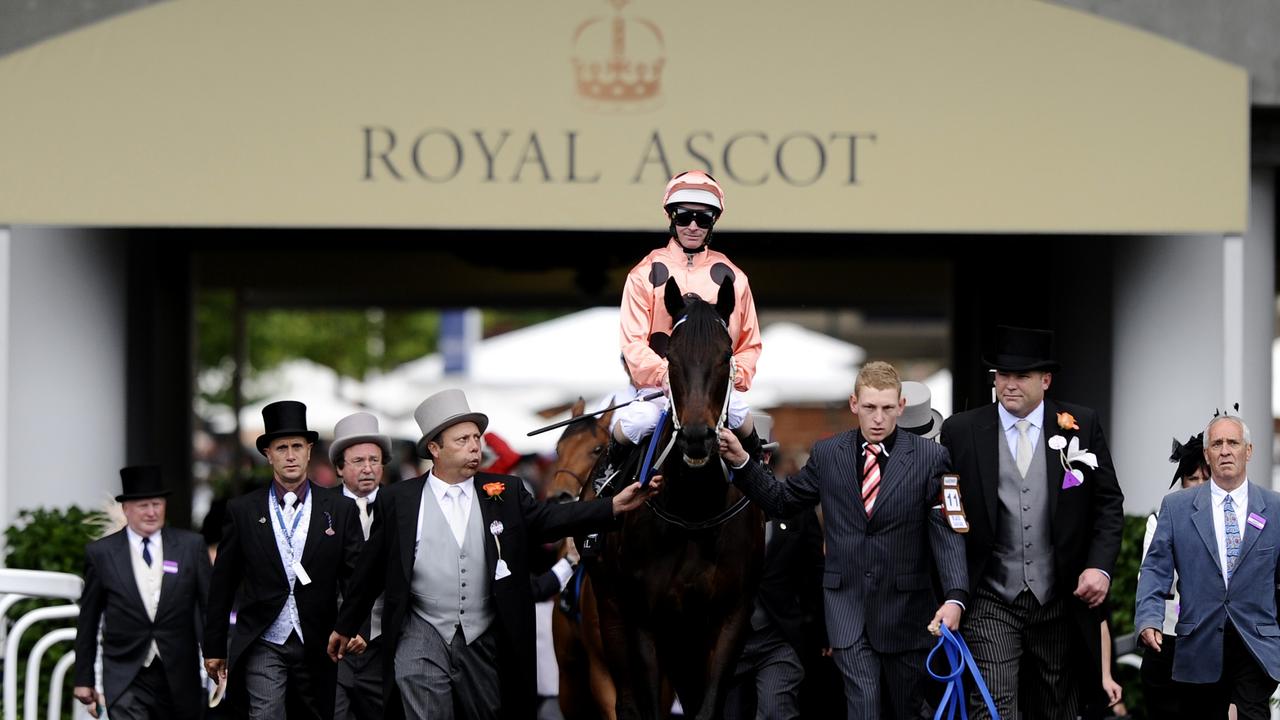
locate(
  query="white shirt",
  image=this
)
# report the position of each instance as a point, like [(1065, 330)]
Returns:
[(1009, 421), (440, 488), (1240, 499)]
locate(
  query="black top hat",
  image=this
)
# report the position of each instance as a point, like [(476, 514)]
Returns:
[(1022, 349), (140, 482), (286, 418)]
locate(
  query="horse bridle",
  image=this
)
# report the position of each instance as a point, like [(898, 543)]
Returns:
[(742, 502)]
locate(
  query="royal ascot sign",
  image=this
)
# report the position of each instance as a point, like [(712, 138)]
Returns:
[(746, 158), (953, 116)]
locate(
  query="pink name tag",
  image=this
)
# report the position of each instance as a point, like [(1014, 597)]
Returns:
[(170, 566), (1257, 520)]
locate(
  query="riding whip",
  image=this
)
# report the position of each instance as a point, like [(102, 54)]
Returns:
[(651, 396)]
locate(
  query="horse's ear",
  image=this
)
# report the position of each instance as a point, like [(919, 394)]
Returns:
[(578, 408), (725, 301), (605, 419), (673, 299)]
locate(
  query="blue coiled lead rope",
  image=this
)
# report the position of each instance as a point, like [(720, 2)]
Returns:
[(646, 466), (960, 659)]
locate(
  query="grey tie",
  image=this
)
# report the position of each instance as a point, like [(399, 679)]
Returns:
[(1024, 447)]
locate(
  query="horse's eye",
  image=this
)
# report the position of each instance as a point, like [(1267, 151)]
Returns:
[(597, 450)]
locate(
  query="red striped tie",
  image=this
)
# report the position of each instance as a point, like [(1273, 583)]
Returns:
[(870, 478)]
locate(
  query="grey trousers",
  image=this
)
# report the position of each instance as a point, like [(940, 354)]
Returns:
[(278, 683), (882, 685), (443, 682), (146, 698), (359, 695), (766, 681)]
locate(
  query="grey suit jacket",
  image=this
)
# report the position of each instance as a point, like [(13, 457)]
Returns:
[(878, 578), (1185, 541)]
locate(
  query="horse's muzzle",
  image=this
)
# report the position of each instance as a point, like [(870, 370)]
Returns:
[(698, 444)]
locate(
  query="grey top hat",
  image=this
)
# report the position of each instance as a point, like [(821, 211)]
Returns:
[(764, 428), (919, 417), (442, 410), (354, 429)]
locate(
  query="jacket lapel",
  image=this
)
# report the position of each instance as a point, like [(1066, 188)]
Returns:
[(122, 560), (321, 521), (986, 442), (262, 516), (490, 510), (1257, 503), (1052, 459), (172, 551), (894, 474), (407, 509), (1202, 519), (847, 456)]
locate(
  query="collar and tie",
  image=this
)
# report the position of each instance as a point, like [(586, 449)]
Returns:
[(871, 475), (146, 551), (1231, 532), (1023, 455), (455, 512), (366, 520)]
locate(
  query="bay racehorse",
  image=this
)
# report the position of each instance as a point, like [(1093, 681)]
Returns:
[(586, 690), (676, 583)]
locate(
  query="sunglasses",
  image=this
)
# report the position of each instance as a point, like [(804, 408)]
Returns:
[(683, 216)]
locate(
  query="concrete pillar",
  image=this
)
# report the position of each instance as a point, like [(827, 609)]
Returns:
[(64, 427), (1194, 319)]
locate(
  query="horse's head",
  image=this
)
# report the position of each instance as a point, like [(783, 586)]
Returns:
[(698, 362), (580, 446)]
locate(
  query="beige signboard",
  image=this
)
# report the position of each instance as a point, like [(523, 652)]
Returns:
[(942, 116)]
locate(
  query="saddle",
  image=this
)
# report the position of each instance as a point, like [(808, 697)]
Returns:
[(620, 469)]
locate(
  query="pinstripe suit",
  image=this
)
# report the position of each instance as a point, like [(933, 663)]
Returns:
[(878, 590)]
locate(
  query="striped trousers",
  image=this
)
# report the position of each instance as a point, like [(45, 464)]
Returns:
[(1028, 638)]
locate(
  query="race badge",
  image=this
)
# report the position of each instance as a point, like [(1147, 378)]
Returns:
[(952, 506)]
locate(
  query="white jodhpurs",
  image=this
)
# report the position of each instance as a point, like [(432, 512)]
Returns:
[(640, 418)]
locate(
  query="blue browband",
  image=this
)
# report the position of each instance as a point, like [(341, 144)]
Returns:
[(960, 659)]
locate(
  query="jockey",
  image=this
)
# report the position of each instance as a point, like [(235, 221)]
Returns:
[(693, 201)]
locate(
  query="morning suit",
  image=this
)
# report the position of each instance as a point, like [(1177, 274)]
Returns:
[(786, 624), (112, 599), (1222, 626), (360, 676), (499, 644), (1025, 557), (878, 588), (250, 570)]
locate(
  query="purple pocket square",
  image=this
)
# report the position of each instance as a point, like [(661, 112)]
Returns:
[(1072, 478)]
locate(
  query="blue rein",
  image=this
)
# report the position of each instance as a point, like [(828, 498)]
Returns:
[(959, 658)]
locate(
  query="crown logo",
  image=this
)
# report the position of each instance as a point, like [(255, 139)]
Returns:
[(617, 60)]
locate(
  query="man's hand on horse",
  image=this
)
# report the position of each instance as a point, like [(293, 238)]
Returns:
[(731, 449), (633, 495)]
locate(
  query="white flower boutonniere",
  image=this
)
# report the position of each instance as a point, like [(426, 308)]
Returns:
[(1070, 453)]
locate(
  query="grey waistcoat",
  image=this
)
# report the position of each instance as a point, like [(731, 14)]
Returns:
[(450, 585), (1023, 552)]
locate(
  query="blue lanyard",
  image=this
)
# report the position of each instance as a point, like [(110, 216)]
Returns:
[(297, 518), (960, 659)]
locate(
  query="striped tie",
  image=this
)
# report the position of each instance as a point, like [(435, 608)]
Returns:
[(871, 477)]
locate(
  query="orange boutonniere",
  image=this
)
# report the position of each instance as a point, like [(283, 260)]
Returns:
[(494, 490), (1067, 421)]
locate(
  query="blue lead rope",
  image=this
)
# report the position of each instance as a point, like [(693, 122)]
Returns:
[(960, 659), (653, 445)]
